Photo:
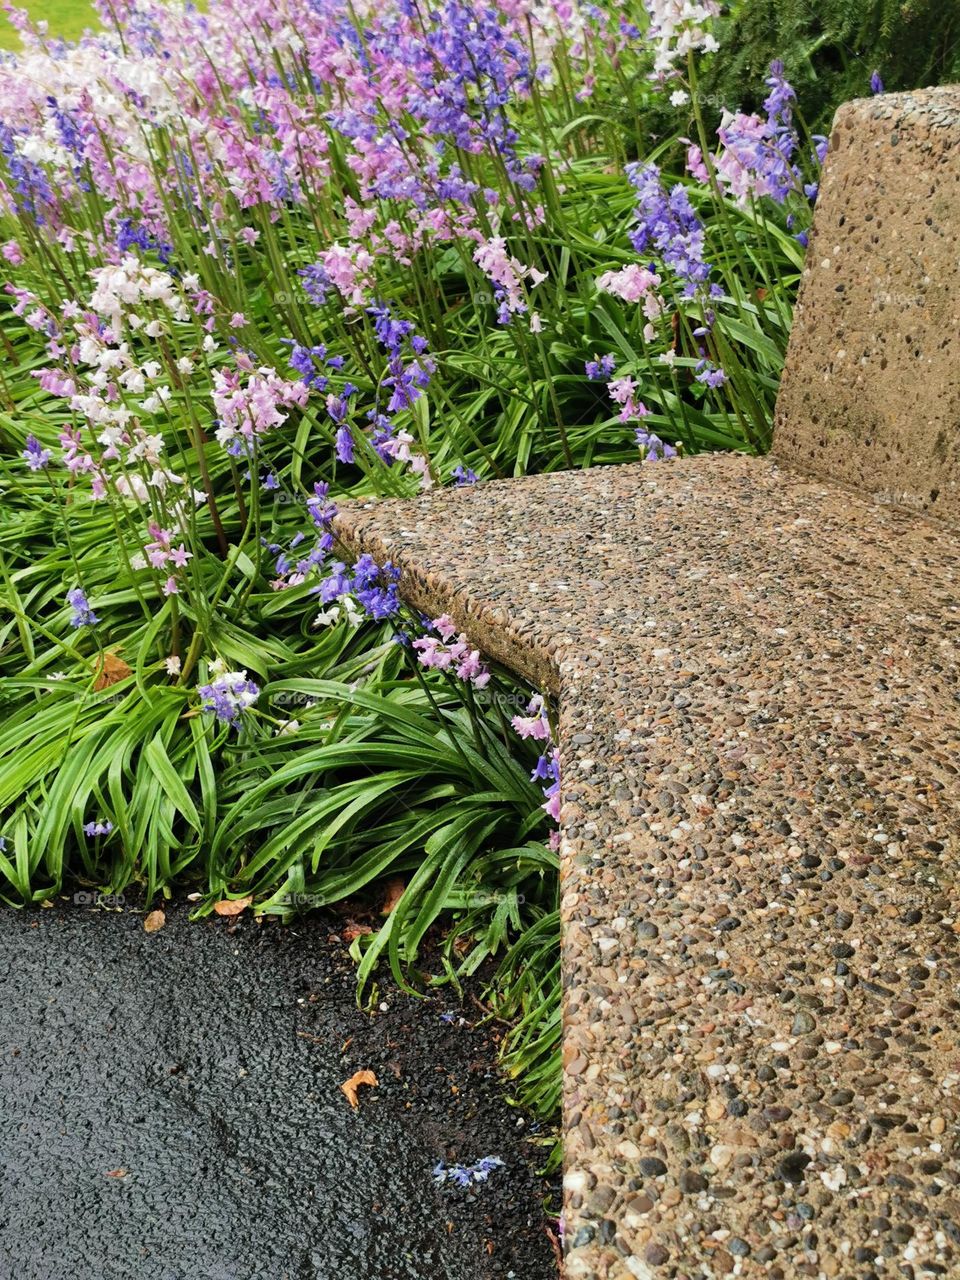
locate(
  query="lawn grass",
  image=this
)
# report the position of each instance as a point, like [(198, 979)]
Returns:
[(66, 18)]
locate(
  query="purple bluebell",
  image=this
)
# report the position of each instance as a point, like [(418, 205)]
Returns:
[(600, 369), (337, 408), (229, 695), (653, 448), (101, 827), (28, 179), (70, 132), (344, 444), (376, 587), (304, 361), (407, 379), (462, 1175), (668, 224), (543, 769), (83, 615), (321, 510), (709, 374), (316, 282), (779, 102), (35, 456), (336, 584), (131, 236)]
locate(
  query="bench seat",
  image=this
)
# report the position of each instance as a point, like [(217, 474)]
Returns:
[(760, 745)]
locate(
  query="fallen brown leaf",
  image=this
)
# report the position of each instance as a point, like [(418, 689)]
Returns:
[(351, 1086), (231, 906), (394, 892), (154, 921), (555, 1245), (110, 669), (115, 1173), (353, 930)]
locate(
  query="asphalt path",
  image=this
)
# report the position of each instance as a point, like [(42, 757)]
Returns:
[(171, 1109)]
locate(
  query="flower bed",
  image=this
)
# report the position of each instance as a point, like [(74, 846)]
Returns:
[(267, 256)]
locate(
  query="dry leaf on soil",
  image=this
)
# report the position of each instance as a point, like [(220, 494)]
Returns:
[(352, 930), (231, 906), (155, 920), (394, 892), (351, 1086)]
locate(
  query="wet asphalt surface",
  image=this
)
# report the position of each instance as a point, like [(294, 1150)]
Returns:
[(170, 1109)]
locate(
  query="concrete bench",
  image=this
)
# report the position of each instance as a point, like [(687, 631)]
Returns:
[(757, 668)]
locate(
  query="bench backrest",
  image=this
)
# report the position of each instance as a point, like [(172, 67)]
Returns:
[(870, 396)]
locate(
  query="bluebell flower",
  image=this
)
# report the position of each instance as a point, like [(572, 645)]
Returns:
[(668, 224), (344, 444), (600, 368), (316, 282), (130, 236), (321, 510), (229, 695), (304, 361), (98, 828), (28, 179), (83, 615), (709, 374), (466, 1175), (376, 588), (35, 456)]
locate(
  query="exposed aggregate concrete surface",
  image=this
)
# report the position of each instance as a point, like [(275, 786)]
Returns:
[(759, 732), (760, 723), (871, 393)]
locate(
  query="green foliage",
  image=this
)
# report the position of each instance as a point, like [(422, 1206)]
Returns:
[(66, 19), (830, 48)]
